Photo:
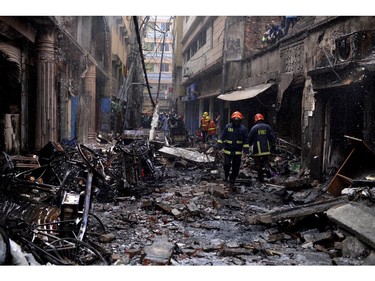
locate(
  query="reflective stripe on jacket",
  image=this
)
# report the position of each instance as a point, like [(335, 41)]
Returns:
[(261, 138), (211, 128), (204, 124), (234, 139)]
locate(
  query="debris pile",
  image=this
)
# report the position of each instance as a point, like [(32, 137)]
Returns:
[(128, 201)]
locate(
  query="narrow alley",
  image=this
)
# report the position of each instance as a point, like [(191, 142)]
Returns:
[(237, 142)]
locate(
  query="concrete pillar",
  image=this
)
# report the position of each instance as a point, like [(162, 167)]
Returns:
[(46, 101), (90, 90)]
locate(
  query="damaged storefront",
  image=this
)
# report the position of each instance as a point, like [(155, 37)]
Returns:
[(344, 93), (14, 36), (55, 82)]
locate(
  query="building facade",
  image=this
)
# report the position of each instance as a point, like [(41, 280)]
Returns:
[(313, 82), (201, 70), (63, 74), (158, 50)]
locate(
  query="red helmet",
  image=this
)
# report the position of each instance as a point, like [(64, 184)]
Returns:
[(258, 117), (236, 115)]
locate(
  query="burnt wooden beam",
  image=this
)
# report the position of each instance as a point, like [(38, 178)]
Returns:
[(295, 212)]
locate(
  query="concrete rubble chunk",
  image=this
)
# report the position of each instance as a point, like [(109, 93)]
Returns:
[(106, 238), (164, 207), (311, 258), (352, 247), (358, 220), (193, 209), (317, 237), (370, 260), (176, 213), (159, 253), (217, 203), (220, 192)]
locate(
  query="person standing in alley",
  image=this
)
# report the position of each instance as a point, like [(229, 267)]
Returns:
[(204, 127), (211, 129), (262, 140), (235, 141), (165, 126)]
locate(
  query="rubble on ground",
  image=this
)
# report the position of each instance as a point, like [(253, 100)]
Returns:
[(175, 210)]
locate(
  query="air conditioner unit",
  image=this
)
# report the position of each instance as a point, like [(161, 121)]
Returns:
[(187, 72)]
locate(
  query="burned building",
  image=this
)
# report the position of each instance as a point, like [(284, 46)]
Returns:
[(321, 73), (342, 79), (312, 82), (62, 78)]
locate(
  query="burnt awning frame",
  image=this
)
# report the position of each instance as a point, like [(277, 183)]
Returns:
[(247, 93)]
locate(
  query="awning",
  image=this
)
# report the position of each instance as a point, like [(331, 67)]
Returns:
[(247, 93)]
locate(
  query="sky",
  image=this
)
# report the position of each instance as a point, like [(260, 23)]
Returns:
[(188, 7)]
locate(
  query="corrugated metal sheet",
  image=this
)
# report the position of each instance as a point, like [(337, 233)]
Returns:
[(247, 93)]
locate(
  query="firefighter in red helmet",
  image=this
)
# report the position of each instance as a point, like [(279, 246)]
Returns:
[(262, 140), (234, 139)]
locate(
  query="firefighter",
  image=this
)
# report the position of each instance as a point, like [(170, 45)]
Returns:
[(262, 140), (211, 128), (204, 127), (235, 140)]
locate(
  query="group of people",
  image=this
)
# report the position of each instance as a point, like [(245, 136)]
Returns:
[(168, 122), (275, 31), (207, 129), (236, 140)]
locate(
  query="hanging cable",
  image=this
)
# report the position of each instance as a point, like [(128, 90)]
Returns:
[(162, 56), (135, 20)]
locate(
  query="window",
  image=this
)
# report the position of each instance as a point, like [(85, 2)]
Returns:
[(164, 67), (166, 47), (198, 43), (165, 26), (193, 48), (202, 38), (187, 55)]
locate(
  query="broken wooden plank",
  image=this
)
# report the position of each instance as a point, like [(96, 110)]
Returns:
[(289, 143), (360, 158), (296, 212), (355, 219)]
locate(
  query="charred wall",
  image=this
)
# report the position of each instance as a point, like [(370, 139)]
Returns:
[(341, 71)]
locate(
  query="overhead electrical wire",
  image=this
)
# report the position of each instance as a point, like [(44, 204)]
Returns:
[(135, 20)]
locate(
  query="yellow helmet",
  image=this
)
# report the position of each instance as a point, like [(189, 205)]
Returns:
[(205, 113), (208, 118)]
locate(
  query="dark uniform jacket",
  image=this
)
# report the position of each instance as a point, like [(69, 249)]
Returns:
[(234, 139), (261, 138)]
